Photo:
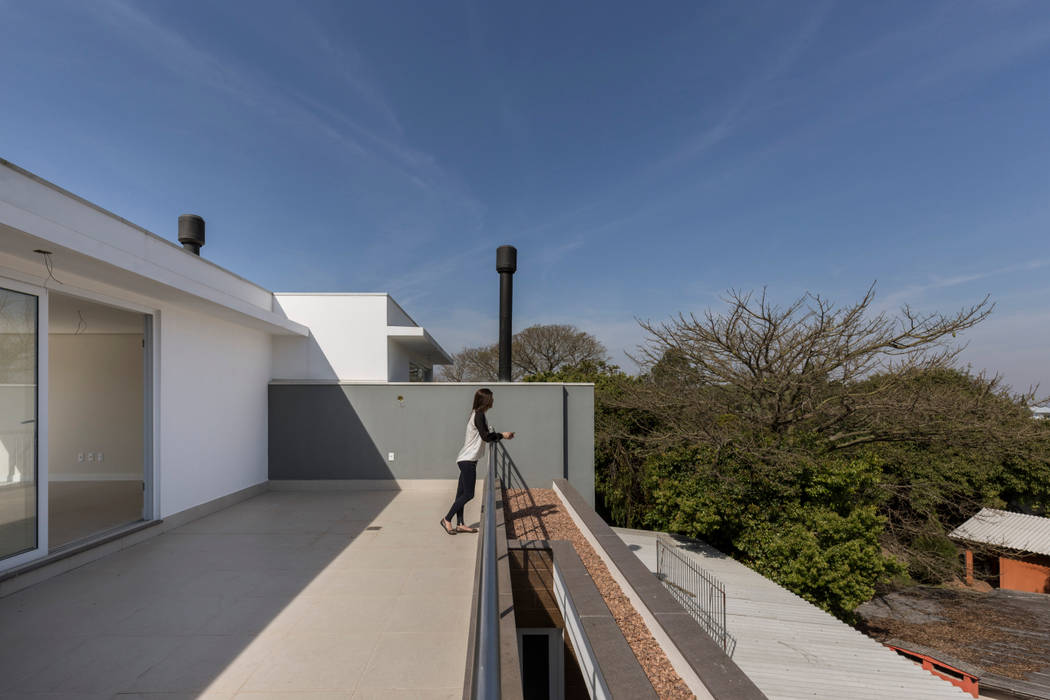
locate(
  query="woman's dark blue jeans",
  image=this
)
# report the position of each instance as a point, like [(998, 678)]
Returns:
[(468, 475)]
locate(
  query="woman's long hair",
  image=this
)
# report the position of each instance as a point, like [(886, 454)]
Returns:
[(482, 400)]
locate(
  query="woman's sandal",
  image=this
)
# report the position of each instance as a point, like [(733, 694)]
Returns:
[(465, 528), (447, 528)]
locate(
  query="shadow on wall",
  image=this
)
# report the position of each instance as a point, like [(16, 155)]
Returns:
[(315, 433), (415, 431), (295, 356)]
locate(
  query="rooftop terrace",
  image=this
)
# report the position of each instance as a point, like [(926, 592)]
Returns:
[(291, 593)]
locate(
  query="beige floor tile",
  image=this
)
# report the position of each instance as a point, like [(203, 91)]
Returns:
[(25, 655), (335, 542), (313, 662), (101, 664), (345, 582), (300, 695), (392, 694), (194, 695), (172, 615), (57, 696), (451, 581), (283, 595), (363, 616), (256, 614), (216, 663), (430, 614), (403, 558), (435, 663)]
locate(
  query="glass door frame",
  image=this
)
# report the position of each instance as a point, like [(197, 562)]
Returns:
[(151, 377), (41, 422)]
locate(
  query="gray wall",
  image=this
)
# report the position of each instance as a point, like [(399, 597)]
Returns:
[(346, 430)]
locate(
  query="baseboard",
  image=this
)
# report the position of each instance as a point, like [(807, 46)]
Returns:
[(95, 476), (216, 504), (362, 484)]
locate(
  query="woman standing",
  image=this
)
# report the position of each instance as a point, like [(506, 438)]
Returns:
[(478, 434)]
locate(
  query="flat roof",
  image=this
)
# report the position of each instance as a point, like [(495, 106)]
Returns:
[(121, 219)]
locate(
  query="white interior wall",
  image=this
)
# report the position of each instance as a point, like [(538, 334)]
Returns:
[(213, 413), (95, 407), (17, 404)]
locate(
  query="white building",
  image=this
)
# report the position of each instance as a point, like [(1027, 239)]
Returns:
[(134, 373)]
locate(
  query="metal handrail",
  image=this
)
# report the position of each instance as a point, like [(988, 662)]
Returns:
[(486, 685)]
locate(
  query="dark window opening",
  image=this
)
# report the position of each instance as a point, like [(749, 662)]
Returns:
[(535, 666)]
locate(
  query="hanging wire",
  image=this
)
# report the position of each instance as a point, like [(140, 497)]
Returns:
[(48, 265), (81, 324)]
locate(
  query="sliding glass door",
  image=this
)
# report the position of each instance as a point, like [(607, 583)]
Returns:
[(18, 422)]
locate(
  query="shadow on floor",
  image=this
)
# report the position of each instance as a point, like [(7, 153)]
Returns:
[(287, 591)]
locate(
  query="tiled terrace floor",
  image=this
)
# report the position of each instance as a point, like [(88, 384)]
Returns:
[(283, 595)]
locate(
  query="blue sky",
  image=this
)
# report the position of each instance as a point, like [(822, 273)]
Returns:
[(643, 158)]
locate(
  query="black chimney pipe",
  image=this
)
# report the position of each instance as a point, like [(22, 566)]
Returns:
[(506, 266), (191, 232)]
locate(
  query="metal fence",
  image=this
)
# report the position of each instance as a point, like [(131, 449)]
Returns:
[(700, 593)]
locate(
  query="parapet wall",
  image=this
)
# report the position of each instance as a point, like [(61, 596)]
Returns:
[(349, 430)]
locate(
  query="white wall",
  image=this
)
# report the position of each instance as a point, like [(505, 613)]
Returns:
[(397, 363), (348, 337), (95, 406), (213, 394)]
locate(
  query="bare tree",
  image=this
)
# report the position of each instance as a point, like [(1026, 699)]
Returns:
[(534, 350), (539, 349), (846, 374), (473, 365)]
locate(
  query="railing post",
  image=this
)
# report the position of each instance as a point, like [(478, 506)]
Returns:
[(487, 684)]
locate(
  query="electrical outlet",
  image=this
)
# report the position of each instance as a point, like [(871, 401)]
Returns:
[(91, 456), (390, 456), (80, 456), (98, 457)]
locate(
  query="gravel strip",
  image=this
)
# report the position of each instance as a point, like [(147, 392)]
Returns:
[(538, 514)]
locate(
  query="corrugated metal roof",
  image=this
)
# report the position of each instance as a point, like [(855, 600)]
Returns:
[(1026, 533), (792, 649)]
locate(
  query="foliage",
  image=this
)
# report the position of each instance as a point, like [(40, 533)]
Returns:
[(830, 449), (811, 526)]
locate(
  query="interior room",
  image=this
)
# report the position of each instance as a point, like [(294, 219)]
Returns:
[(96, 409), (18, 359)]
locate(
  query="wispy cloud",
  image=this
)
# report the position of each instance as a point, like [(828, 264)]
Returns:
[(292, 106), (914, 293), (752, 91)]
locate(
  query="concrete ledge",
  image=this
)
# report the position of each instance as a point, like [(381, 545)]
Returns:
[(699, 661), (364, 484), (66, 559), (608, 663)]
